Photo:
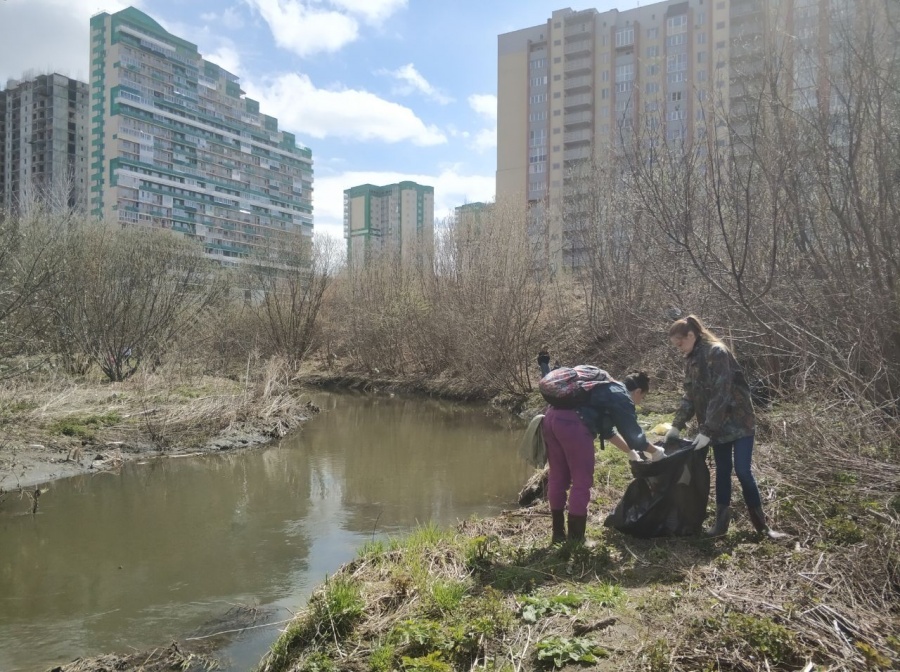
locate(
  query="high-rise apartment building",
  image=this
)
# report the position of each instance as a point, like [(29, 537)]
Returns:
[(584, 85), (395, 218), (176, 144), (43, 142)]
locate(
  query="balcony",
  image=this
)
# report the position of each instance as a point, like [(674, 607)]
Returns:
[(581, 135), (578, 28), (580, 48), (578, 118), (577, 154), (582, 83), (578, 66), (580, 100)]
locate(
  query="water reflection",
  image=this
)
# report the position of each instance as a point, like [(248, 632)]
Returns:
[(113, 562)]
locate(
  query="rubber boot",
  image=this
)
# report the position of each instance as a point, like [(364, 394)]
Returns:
[(758, 518), (720, 526), (559, 526), (577, 525)]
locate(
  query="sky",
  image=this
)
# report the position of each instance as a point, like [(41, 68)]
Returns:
[(379, 90)]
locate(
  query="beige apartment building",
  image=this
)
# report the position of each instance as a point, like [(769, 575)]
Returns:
[(394, 218), (577, 88)]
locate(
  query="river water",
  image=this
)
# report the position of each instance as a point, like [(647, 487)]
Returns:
[(135, 560)]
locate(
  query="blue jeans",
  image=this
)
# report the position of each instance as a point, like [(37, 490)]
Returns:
[(743, 453)]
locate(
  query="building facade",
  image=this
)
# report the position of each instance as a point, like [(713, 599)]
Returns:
[(176, 144), (580, 88), (43, 142), (395, 218)]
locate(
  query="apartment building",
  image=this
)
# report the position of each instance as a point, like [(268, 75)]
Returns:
[(394, 218), (43, 142), (176, 144), (583, 86)]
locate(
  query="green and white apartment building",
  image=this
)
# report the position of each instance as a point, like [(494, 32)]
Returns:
[(394, 218), (176, 144)]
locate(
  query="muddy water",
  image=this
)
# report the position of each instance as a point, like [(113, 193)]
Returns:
[(115, 562)]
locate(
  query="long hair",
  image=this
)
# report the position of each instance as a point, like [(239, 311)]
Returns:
[(692, 325)]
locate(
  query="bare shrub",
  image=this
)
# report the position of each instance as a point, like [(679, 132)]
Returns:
[(123, 295)]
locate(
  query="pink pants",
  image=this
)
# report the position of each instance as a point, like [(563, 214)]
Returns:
[(570, 454)]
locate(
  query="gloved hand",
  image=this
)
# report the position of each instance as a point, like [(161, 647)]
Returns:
[(701, 441), (635, 456), (656, 453), (672, 435)]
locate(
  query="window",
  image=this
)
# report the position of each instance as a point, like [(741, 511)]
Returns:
[(701, 57), (701, 38), (675, 40), (652, 70), (624, 37), (604, 76), (625, 72), (676, 62), (701, 76), (538, 137), (701, 18), (652, 52), (720, 25), (539, 81), (623, 87), (538, 64), (676, 115), (652, 87), (720, 45), (539, 98), (675, 96), (676, 24), (653, 33), (537, 116)]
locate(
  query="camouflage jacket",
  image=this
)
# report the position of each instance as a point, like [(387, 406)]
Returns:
[(717, 392)]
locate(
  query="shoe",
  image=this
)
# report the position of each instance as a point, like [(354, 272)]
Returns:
[(559, 526), (758, 518), (577, 525), (723, 519)]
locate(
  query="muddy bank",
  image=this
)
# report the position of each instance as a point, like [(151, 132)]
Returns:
[(56, 428)]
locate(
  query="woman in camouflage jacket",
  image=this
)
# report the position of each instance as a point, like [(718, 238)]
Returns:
[(716, 391)]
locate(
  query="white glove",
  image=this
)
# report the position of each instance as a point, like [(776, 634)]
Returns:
[(701, 441), (672, 434), (635, 456), (656, 453)]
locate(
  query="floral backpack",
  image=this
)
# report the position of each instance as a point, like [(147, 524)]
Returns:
[(570, 387)]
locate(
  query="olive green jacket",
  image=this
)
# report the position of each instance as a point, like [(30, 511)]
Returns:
[(717, 392)]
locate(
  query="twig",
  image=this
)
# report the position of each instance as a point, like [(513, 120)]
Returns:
[(228, 632)]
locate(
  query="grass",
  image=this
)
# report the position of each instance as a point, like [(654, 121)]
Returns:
[(493, 594), (84, 426)]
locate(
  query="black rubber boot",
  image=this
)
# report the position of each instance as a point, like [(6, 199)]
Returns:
[(758, 518), (559, 526), (577, 525), (723, 519)]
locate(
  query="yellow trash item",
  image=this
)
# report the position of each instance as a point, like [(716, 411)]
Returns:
[(661, 428)]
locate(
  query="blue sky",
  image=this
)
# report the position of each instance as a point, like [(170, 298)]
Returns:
[(380, 90)]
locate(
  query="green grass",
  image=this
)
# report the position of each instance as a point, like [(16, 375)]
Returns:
[(84, 426)]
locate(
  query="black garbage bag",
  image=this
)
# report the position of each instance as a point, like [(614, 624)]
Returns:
[(666, 498)]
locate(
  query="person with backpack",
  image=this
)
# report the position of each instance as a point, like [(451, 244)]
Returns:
[(586, 402), (716, 391)]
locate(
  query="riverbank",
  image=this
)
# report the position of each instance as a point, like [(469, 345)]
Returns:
[(55, 426), (492, 594)]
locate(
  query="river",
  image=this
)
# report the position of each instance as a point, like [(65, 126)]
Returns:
[(135, 560)]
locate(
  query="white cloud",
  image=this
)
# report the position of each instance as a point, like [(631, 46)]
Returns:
[(305, 30), (484, 104), (342, 113), (308, 27), (231, 18), (413, 81), (451, 189), (371, 11), (48, 36), (226, 56)]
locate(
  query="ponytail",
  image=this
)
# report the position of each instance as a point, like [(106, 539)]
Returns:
[(692, 325)]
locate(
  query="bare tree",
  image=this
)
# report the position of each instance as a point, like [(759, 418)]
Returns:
[(124, 295), (287, 287)]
